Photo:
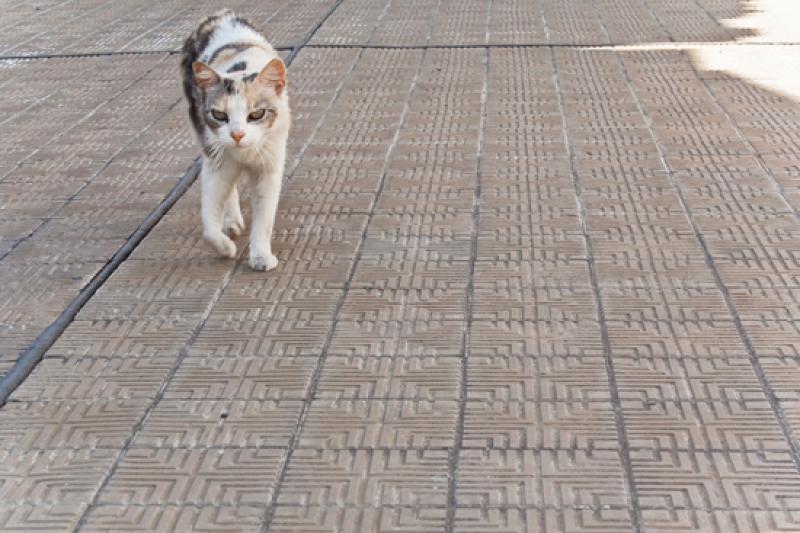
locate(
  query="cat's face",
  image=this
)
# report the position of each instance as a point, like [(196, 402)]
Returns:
[(240, 111)]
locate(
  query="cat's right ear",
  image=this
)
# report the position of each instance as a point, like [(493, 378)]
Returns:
[(204, 75)]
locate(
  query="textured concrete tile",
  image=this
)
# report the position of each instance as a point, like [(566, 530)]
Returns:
[(361, 519), (743, 425), (69, 423), (740, 480), (200, 477), (402, 378), (485, 283), (398, 424), (219, 423), (585, 520), (52, 477), (499, 478), (371, 477), (239, 518), (241, 378), (95, 378)]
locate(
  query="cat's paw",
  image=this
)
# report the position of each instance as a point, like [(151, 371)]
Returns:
[(223, 245), (232, 228), (263, 261)]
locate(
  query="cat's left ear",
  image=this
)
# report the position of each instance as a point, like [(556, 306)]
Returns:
[(204, 75), (274, 75)]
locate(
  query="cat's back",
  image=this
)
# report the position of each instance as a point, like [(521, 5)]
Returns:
[(223, 35)]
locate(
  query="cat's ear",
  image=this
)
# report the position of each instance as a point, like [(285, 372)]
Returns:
[(204, 75), (274, 75)]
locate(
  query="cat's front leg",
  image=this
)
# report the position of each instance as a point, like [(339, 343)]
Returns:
[(266, 190), (217, 184), (233, 221)]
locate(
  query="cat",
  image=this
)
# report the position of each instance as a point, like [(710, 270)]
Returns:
[(235, 84)]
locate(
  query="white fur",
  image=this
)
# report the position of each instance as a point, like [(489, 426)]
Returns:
[(222, 219), (260, 156), (228, 31)]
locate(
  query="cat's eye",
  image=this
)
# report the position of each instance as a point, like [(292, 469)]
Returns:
[(219, 115), (258, 114)]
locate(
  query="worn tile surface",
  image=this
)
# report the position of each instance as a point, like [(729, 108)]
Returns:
[(549, 286)]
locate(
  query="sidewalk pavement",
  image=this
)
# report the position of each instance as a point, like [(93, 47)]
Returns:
[(538, 272)]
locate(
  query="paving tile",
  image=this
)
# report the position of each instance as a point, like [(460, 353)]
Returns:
[(245, 378), (174, 518), (219, 423), (52, 477), (409, 477), (200, 477), (95, 378), (486, 284), (499, 424), (562, 479), (401, 378), (598, 519), (100, 181), (723, 520), (384, 338), (69, 423), (743, 425), (379, 424), (708, 480), (422, 519)]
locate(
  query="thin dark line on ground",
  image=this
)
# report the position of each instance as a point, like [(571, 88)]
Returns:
[(38, 13), (31, 357), (594, 508), (680, 362), (61, 24), (162, 390), (28, 360), (597, 508), (23, 57), (772, 397), (454, 456), (608, 46), (613, 47), (311, 389), (665, 450), (317, 373), (538, 363), (622, 435), (740, 405), (55, 214), (766, 386), (187, 347), (751, 150), (310, 34)]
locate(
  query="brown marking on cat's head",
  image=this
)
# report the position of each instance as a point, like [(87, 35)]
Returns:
[(240, 110)]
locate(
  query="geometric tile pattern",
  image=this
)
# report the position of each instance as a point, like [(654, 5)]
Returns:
[(528, 281)]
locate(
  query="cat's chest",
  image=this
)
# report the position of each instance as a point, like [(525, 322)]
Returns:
[(255, 160)]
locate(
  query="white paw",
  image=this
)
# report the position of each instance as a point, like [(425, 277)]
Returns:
[(263, 261), (222, 244), (232, 228)]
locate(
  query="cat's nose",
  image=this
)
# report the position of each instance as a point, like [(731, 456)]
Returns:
[(237, 136)]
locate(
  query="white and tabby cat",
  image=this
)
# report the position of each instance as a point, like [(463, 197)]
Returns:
[(236, 87)]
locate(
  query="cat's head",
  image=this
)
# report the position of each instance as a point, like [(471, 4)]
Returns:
[(240, 111)]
